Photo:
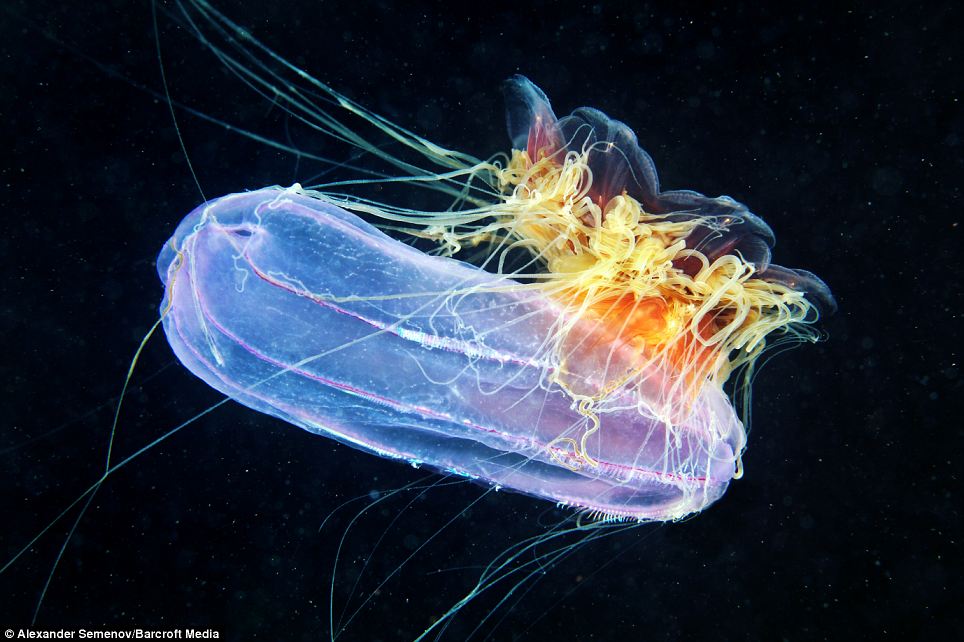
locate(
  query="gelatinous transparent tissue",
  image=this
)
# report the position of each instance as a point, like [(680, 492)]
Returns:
[(301, 310)]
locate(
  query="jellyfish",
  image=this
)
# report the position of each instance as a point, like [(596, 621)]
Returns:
[(581, 359), (560, 327)]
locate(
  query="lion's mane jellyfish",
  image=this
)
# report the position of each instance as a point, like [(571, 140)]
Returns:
[(581, 359)]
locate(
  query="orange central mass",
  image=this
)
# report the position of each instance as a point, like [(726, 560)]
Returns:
[(620, 337)]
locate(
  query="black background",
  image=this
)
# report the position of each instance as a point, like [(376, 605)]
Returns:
[(840, 125)]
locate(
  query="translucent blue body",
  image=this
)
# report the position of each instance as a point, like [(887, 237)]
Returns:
[(301, 310)]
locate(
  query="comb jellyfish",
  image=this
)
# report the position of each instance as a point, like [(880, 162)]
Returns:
[(589, 374)]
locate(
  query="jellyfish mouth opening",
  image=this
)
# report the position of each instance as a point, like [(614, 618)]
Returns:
[(241, 231)]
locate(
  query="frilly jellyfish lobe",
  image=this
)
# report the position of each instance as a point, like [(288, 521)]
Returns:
[(301, 310), (620, 165)]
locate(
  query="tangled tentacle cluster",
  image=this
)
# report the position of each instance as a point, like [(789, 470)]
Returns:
[(631, 273)]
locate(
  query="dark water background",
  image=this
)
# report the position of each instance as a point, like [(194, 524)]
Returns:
[(840, 125)]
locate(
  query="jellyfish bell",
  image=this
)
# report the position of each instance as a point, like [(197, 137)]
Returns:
[(685, 278)]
